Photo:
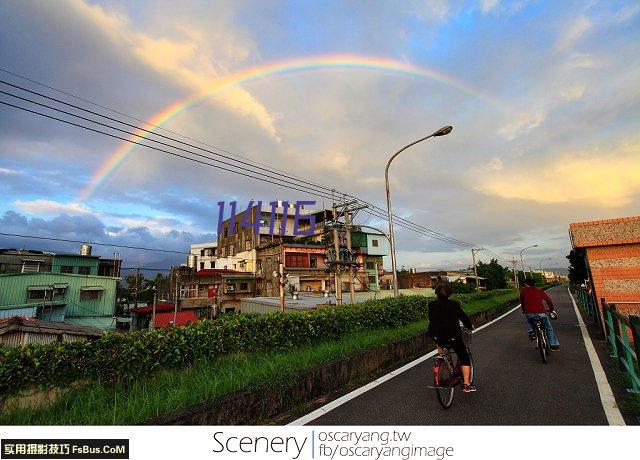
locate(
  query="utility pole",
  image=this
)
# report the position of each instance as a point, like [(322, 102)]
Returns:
[(336, 245), (281, 276), (137, 279), (515, 273), (153, 314), (175, 307), (352, 287), (475, 266)]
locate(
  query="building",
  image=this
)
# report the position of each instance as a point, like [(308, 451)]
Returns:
[(420, 279), (24, 260), (612, 253), (237, 247), (18, 331), (202, 255), (212, 291), (59, 288), (305, 265)]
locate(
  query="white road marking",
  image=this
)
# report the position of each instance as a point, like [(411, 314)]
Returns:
[(357, 392), (614, 417)]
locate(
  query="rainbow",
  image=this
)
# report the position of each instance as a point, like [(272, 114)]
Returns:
[(369, 63)]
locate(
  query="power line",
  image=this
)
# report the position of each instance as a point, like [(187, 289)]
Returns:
[(375, 210), (92, 243), (402, 223), (430, 232)]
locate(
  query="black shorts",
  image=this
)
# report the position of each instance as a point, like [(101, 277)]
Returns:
[(458, 346)]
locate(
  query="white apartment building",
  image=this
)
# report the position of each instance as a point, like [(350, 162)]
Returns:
[(203, 255)]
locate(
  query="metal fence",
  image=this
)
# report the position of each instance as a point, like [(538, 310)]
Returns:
[(588, 304), (618, 326)]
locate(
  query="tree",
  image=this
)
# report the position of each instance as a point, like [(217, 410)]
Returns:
[(495, 274), (578, 272)]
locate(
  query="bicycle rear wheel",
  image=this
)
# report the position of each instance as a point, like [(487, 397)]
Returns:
[(542, 346), (445, 389)]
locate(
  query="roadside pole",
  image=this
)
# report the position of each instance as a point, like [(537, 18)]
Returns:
[(153, 314), (515, 274), (336, 245), (281, 277), (352, 288), (475, 267)]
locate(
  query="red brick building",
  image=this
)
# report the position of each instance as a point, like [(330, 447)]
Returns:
[(612, 252)]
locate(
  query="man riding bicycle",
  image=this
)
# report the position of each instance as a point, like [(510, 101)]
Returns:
[(444, 329), (531, 300)]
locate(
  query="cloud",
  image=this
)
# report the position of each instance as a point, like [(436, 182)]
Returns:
[(487, 5), (193, 61), (573, 92), (437, 9), (608, 179), (573, 32), (42, 207), (524, 123)]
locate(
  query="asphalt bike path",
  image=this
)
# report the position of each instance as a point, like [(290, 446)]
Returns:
[(514, 386)]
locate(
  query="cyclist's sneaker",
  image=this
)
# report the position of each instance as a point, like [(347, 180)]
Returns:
[(468, 388), (554, 347), (532, 336)]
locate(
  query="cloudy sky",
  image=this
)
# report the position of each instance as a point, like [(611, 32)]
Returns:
[(543, 97)]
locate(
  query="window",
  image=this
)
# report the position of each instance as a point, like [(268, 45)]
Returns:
[(231, 287), (313, 262), (66, 269), (235, 228), (84, 270), (90, 294), (296, 260), (259, 264), (371, 265), (202, 252), (30, 266), (223, 252), (244, 286), (201, 265), (372, 279), (3, 268), (374, 243), (232, 251), (38, 294), (213, 264), (247, 245), (225, 232)]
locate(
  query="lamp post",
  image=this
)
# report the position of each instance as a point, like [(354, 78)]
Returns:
[(521, 259), (441, 132), (540, 267)]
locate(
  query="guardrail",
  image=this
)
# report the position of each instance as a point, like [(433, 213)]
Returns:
[(617, 327), (588, 304)]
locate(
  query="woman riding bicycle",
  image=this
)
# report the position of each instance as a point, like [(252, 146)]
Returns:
[(444, 329)]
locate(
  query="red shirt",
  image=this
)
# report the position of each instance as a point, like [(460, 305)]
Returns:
[(531, 299)]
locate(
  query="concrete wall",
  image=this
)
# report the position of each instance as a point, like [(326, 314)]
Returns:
[(613, 256)]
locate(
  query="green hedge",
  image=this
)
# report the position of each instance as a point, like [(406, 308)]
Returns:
[(123, 357)]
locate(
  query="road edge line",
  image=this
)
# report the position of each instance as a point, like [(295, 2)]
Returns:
[(609, 405), (363, 389)]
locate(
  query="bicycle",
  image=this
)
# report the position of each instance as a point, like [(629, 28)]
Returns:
[(447, 374), (542, 341)]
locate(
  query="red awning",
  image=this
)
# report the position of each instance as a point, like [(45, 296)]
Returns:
[(182, 318), (149, 308)]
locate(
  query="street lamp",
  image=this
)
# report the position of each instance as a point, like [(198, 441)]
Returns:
[(441, 132), (540, 267), (521, 259)]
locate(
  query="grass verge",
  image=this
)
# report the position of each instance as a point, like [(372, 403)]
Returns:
[(172, 390)]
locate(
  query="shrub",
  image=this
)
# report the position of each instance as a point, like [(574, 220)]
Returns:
[(119, 357)]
